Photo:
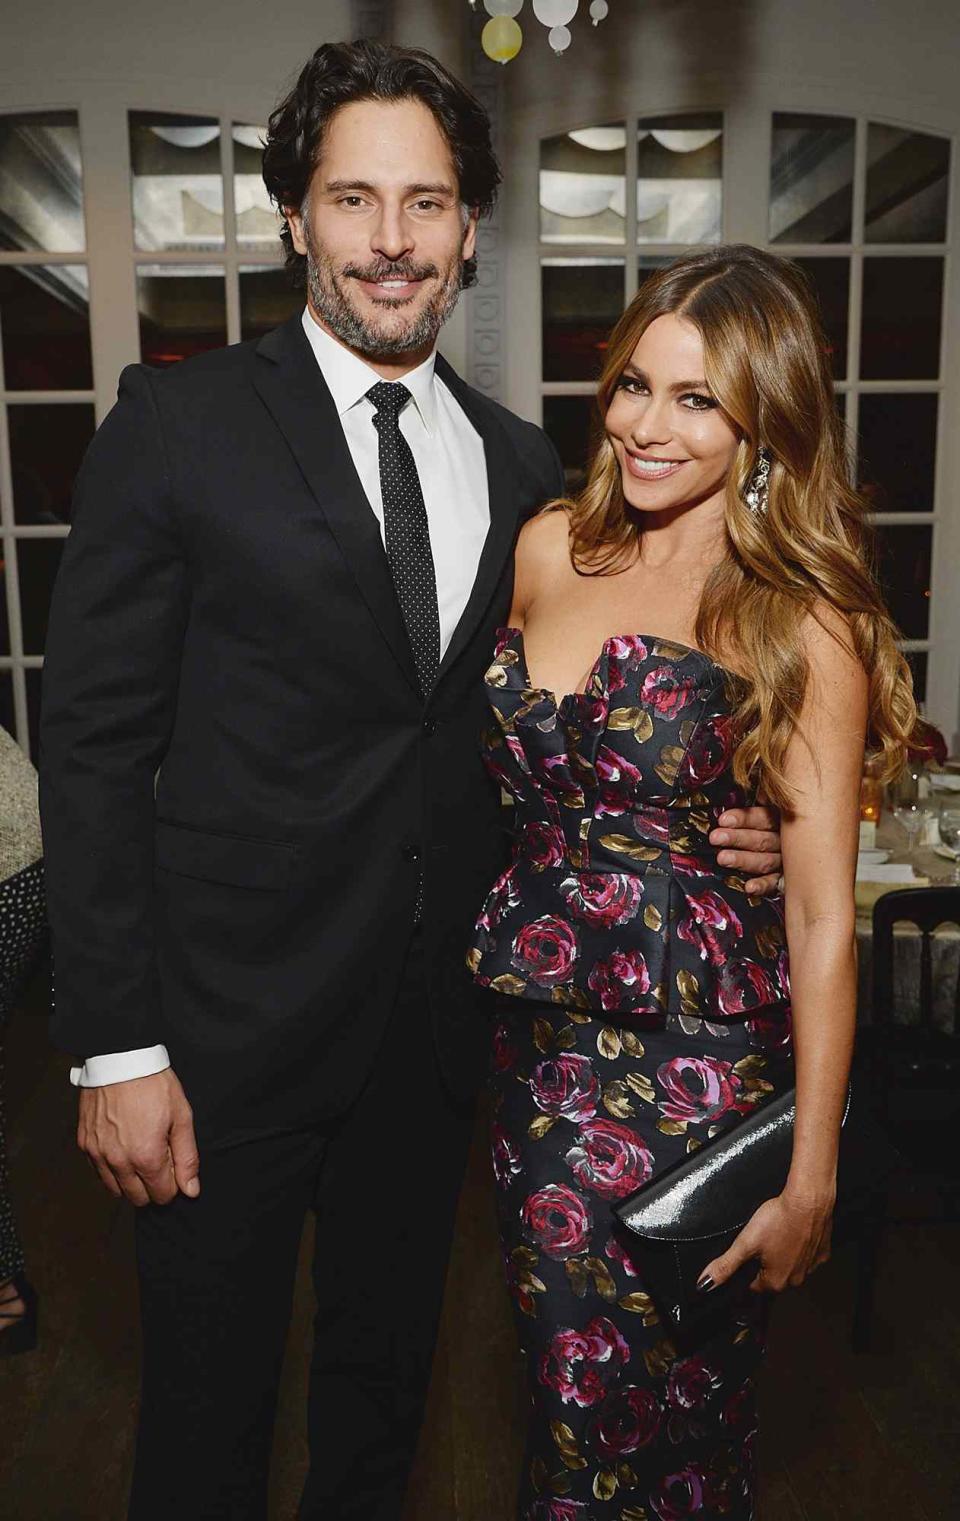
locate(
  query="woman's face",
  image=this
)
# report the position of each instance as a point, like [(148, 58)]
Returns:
[(673, 442)]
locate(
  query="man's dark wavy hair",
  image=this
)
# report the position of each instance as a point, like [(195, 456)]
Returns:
[(342, 72)]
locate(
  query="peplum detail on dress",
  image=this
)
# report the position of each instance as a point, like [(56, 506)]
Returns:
[(614, 900)]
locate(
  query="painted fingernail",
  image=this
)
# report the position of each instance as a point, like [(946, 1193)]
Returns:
[(705, 1284)]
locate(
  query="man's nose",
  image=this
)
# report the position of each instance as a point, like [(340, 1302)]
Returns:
[(392, 236)]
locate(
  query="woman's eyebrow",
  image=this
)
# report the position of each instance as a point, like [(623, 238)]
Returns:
[(678, 385)]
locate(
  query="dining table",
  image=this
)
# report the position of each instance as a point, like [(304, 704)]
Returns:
[(931, 868)]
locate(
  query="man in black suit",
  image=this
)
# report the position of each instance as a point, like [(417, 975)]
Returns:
[(267, 829)]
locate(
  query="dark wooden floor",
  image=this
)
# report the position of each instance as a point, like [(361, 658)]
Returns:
[(844, 1437)]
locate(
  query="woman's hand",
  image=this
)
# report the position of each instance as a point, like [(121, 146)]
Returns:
[(788, 1235)]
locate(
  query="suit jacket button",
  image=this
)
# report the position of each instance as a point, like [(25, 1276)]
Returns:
[(429, 726), (411, 852)]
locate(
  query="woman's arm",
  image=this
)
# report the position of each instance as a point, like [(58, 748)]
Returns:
[(791, 1234)]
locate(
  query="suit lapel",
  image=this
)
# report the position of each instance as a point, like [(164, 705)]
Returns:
[(503, 492), (289, 381)]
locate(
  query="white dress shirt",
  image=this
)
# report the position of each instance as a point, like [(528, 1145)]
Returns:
[(448, 453)]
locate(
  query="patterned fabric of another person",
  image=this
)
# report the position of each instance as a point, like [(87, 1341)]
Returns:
[(643, 1006)]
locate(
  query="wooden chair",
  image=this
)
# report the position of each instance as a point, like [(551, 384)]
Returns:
[(913, 1070)]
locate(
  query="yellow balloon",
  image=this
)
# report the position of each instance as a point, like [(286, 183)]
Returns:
[(501, 39)]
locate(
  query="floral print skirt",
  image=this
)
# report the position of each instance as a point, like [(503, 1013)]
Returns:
[(625, 1424)]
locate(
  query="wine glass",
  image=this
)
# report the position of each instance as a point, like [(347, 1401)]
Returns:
[(949, 825), (911, 804)]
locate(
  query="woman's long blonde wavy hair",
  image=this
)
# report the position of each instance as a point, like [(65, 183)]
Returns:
[(766, 362)]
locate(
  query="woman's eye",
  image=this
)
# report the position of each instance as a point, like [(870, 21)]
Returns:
[(698, 402), (631, 385)]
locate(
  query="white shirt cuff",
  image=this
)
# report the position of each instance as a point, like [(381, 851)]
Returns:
[(119, 1067)]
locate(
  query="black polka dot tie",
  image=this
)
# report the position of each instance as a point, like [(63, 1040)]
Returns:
[(407, 533)]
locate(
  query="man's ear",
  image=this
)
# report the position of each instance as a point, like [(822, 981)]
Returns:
[(470, 233), (295, 223)]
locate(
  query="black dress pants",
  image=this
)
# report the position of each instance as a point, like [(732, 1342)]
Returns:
[(216, 1283)]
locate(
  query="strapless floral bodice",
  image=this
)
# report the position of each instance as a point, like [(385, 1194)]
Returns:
[(615, 899)]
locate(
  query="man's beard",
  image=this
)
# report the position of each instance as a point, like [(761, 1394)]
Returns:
[(331, 303)]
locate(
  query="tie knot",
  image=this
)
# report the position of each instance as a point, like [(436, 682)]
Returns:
[(389, 397)]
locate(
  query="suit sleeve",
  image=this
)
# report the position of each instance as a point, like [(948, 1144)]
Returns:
[(110, 678)]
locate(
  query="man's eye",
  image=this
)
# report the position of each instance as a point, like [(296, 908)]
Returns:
[(428, 206), (351, 200)]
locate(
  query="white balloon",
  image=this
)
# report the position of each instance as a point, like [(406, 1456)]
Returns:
[(599, 10), (554, 13), (503, 7), (559, 38)]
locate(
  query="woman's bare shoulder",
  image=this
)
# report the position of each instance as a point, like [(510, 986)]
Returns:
[(544, 541)]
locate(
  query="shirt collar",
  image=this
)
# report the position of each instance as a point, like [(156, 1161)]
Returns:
[(349, 377)]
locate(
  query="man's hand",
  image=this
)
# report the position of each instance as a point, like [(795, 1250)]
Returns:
[(139, 1137), (753, 840)]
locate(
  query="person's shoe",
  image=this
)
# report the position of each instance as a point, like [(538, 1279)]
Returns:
[(21, 1335)]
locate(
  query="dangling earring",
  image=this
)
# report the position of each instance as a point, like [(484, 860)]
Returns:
[(757, 490), (756, 493)]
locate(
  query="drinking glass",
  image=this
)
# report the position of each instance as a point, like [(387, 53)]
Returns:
[(911, 804), (949, 824)]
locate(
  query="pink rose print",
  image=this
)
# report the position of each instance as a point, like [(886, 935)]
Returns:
[(504, 636), (617, 1253), (742, 986), (504, 1051), (666, 692), (542, 845), (679, 1494), (628, 1418), (503, 896), (557, 1510), (620, 980), (773, 1033), (698, 1088), (607, 899), (506, 1157), (739, 1408), (618, 781), (546, 950), (690, 1383), (709, 753), (557, 1220), (711, 925), (609, 1159), (580, 1364), (566, 1087), (625, 652)]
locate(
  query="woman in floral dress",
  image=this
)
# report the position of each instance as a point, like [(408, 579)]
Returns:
[(698, 625)]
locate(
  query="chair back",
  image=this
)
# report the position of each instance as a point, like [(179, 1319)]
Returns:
[(927, 908)]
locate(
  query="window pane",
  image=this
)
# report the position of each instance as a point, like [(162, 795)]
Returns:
[(581, 301), (917, 661), (258, 226), (4, 620), (898, 450), (573, 425), (47, 445), (679, 185), (907, 174), (900, 334), (266, 299), (41, 186), (903, 566), (811, 179), (7, 720), (45, 328), (38, 561), (183, 311), (583, 186), (177, 182), (831, 280)]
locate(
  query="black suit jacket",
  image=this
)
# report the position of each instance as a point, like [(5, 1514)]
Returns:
[(240, 783)]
